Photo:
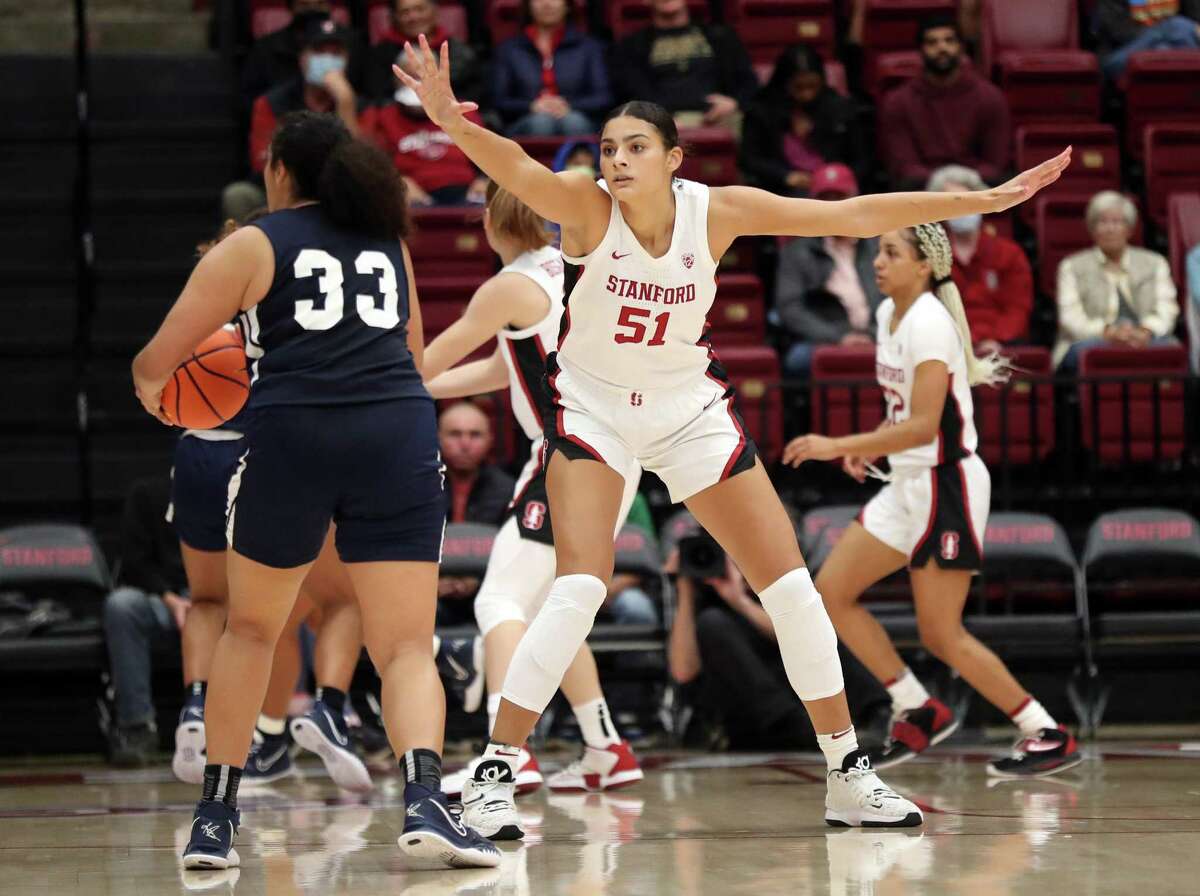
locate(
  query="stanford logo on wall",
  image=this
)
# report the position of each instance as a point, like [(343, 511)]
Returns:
[(949, 545), (535, 516)]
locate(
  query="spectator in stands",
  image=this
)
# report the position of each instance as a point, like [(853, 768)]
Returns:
[(479, 492), (578, 155), (990, 271), (1125, 27), (948, 114), (411, 19), (825, 293), (146, 611), (551, 79), (1113, 293), (798, 123), (272, 59), (1193, 307), (319, 85), (701, 73), (436, 172)]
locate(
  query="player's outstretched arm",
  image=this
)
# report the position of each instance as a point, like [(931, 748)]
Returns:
[(569, 199), (473, 378), (746, 211)]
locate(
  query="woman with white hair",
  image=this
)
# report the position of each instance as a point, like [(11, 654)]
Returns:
[(1113, 294)]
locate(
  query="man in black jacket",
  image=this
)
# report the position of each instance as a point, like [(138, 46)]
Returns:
[(701, 73), (145, 611)]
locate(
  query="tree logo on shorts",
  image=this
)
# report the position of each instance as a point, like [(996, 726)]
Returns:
[(635, 399), (688, 260), (535, 516), (949, 545)]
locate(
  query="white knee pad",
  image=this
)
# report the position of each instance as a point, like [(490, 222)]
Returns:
[(554, 637), (806, 637), (519, 574)]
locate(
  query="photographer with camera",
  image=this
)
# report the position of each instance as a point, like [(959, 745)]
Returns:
[(722, 648)]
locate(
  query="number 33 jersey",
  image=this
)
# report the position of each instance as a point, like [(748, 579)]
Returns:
[(638, 321), (333, 328), (925, 333)]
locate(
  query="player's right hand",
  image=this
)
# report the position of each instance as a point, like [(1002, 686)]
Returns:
[(433, 88), (855, 468)]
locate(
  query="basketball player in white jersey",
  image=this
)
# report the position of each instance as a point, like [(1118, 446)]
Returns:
[(522, 306), (931, 515), (634, 379)]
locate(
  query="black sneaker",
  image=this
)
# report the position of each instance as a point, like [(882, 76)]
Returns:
[(460, 664), (324, 732), (1053, 750), (133, 747), (270, 758), (190, 744), (211, 845), (435, 836), (915, 731)]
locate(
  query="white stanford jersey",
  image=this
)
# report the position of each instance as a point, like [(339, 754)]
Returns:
[(525, 350), (926, 333), (636, 321)]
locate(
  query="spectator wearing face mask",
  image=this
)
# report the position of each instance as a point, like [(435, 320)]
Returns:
[(946, 115), (273, 57), (319, 85), (991, 272), (411, 19), (435, 171)]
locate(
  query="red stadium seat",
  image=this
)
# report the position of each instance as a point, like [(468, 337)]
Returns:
[(1172, 157), (450, 241), (504, 18), (1061, 230), (738, 316), (1161, 87), (767, 27), (1050, 85), (845, 396), (893, 69), (267, 16), (1183, 232), (754, 370), (1016, 422), (542, 149), (627, 16), (891, 25), (1154, 420), (711, 156), (1026, 25), (450, 18), (1095, 163)]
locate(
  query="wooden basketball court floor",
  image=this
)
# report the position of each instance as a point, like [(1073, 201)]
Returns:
[(1127, 821)]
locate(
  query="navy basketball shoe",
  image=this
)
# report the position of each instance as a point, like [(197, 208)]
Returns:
[(434, 836), (188, 762), (323, 731), (270, 758), (211, 845), (460, 664)]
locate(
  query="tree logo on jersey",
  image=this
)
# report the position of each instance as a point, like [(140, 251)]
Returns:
[(535, 516), (949, 545), (635, 399), (688, 260)]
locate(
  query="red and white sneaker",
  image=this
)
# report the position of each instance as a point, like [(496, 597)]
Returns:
[(1053, 750), (914, 731), (599, 769), (529, 776)]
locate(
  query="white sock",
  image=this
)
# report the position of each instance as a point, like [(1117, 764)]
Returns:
[(596, 723), (907, 692), (493, 709), (837, 746), (1031, 717), (268, 725), (506, 753)]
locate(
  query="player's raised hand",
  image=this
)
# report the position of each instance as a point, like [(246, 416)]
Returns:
[(432, 83), (1026, 184)]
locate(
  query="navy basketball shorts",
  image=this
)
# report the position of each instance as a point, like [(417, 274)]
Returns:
[(200, 489), (373, 469)]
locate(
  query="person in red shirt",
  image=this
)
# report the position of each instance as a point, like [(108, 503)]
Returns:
[(435, 171), (411, 19), (991, 272)]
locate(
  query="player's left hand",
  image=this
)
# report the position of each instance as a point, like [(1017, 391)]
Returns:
[(1026, 184), (810, 447), (150, 395)]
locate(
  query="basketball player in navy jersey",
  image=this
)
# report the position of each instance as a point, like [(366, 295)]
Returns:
[(634, 378), (342, 430)]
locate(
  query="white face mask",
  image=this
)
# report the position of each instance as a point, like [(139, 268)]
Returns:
[(965, 225)]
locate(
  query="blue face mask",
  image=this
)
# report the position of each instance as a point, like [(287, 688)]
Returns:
[(966, 224), (321, 64)]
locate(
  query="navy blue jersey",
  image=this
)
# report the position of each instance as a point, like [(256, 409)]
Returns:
[(333, 329)]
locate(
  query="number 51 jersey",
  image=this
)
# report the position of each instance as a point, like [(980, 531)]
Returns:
[(638, 321), (333, 328)]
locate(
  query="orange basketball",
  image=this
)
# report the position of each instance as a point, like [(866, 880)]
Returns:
[(210, 386)]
